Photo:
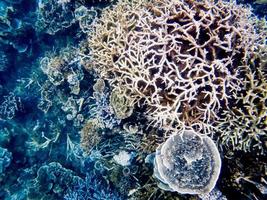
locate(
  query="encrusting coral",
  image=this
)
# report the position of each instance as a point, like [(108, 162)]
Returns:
[(182, 59)]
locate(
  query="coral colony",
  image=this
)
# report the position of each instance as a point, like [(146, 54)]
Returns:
[(133, 100)]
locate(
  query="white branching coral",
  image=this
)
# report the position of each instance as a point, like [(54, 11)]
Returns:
[(181, 59), (244, 127)]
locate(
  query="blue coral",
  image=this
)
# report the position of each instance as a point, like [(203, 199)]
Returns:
[(93, 188), (53, 180), (9, 106), (5, 159)]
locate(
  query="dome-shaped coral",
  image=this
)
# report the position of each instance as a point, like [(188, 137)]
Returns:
[(182, 58), (188, 163)]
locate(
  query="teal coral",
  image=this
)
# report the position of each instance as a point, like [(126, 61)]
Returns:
[(5, 159)]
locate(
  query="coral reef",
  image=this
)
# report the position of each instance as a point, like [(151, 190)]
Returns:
[(92, 91)]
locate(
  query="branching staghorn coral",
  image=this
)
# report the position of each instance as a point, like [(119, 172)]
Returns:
[(182, 59), (244, 127)]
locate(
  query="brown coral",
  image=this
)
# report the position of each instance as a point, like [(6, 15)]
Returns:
[(121, 103), (90, 134)]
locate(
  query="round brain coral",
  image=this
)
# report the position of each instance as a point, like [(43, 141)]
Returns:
[(182, 59)]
